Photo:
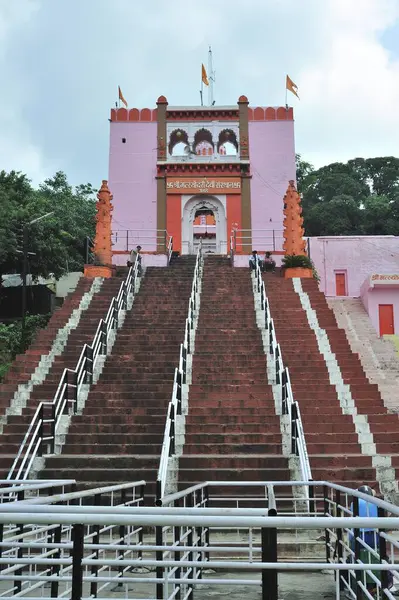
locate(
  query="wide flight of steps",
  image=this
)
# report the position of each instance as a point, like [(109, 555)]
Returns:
[(384, 426), (118, 438), (378, 355), (232, 431), (333, 446), (17, 424), (24, 365)]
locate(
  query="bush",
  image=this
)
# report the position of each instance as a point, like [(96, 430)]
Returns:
[(291, 261), (11, 342)]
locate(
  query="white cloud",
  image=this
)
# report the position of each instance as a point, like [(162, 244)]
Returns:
[(350, 96), (17, 148), (62, 62)]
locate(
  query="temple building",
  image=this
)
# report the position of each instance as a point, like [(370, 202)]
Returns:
[(173, 165), (179, 174)]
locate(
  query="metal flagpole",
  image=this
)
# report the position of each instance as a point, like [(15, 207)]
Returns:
[(286, 94), (211, 78)]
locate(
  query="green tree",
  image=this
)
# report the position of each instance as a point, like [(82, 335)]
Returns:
[(340, 216), (58, 241), (303, 170)]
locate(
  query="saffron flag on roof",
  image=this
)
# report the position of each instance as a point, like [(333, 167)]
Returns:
[(292, 87), (121, 97), (204, 76)]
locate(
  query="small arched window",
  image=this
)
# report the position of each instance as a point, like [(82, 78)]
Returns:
[(227, 143), (178, 141)]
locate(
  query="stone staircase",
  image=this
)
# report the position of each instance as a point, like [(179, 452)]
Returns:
[(24, 365), (17, 422), (333, 444), (118, 437), (232, 432), (368, 404), (378, 356)]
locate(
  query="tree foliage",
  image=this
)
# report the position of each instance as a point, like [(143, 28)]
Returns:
[(360, 197), (57, 241)]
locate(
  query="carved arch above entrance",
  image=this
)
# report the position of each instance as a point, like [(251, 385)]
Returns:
[(190, 205)]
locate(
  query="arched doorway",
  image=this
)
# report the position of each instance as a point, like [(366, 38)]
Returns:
[(213, 231)]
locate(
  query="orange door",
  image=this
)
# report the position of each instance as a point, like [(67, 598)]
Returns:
[(385, 312), (340, 284)]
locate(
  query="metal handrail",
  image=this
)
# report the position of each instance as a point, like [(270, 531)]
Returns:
[(261, 239), (180, 378), (37, 441), (290, 407), (169, 249)]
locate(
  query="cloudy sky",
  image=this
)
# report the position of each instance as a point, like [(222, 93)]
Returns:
[(61, 62)]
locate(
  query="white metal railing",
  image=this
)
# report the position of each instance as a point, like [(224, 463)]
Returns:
[(180, 379), (169, 249), (63, 547), (290, 406), (262, 240), (148, 239), (11, 490), (41, 434)]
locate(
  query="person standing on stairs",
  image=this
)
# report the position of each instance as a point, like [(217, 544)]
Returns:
[(254, 260), (269, 264), (136, 255)]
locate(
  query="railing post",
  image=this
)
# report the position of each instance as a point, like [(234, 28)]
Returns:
[(184, 355), (124, 305), (89, 364), (77, 558), (190, 542), (179, 391), (326, 514), (176, 539), (356, 534), (294, 433), (269, 554), (115, 311), (104, 335), (20, 551), (52, 429), (188, 337), (270, 339), (96, 540), (158, 557), (339, 538), (55, 569), (382, 546), (73, 376), (274, 241), (172, 431), (41, 432)]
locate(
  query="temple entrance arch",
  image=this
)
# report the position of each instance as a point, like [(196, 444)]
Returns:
[(204, 204)]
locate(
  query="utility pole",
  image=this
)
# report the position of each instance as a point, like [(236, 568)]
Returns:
[(25, 268)]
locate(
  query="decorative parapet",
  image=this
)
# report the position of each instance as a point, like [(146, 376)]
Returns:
[(294, 244)]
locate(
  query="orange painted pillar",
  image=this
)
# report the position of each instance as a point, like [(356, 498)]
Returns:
[(294, 244), (102, 240)]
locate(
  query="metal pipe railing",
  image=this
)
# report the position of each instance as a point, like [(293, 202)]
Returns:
[(289, 406), (41, 434), (180, 378)]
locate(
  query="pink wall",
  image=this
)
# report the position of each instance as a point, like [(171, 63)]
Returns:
[(358, 256), (377, 296), (272, 156), (132, 171)]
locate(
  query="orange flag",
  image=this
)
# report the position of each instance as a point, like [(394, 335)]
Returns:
[(292, 87), (204, 76), (121, 97)]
